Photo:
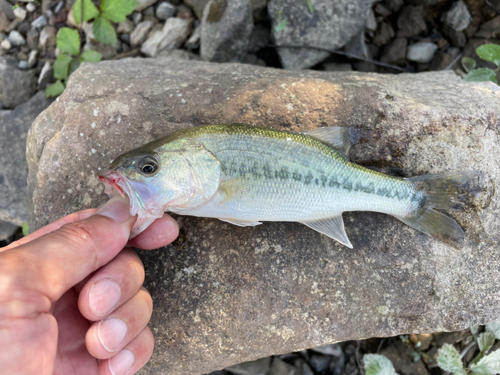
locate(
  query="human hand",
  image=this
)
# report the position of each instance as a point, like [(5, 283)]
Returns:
[(71, 295)]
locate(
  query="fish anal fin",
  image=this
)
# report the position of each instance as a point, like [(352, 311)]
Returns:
[(341, 139), (332, 227), (240, 223)]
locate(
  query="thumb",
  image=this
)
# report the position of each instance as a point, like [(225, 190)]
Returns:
[(55, 262)]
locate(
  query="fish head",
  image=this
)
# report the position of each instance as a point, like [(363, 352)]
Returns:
[(169, 178)]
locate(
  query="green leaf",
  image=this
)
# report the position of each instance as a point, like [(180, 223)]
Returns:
[(376, 364), (55, 89), (104, 31), (89, 11), (310, 6), (494, 327), (449, 359), (485, 341), (117, 10), (25, 229), (68, 41), (468, 63), (473, 329), (281, 26), (481, 75), (490, 364), (489, 52), (61, 66), (90, 56), (75, 63)]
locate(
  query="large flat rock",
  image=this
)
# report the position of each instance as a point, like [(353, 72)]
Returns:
[(224, 294)]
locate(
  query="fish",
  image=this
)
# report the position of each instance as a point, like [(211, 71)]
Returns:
[(246, 174)]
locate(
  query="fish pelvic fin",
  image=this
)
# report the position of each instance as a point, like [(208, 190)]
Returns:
[(340, 139), (332, 227), (447, 192)]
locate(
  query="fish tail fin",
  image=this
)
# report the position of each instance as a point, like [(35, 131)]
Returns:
[(446, 192)]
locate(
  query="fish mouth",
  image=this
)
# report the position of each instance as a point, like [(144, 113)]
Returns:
[(143, 201)]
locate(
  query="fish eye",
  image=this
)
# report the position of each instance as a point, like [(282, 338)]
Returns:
[(148, 166)]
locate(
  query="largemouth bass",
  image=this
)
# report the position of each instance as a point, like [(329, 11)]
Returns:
[(245, 174)]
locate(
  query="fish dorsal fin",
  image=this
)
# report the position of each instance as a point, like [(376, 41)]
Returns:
[(341, 139), (332, 227), (240, 223)]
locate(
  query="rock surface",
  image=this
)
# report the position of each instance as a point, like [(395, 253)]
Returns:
[(224, 294), (6, 230), (225, 30), (16, 86), (14, 127), (331, 25)]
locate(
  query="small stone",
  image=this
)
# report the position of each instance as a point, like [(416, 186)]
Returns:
[(411, 21), (384, 35), (184, 13), (282, 368), (137, 17), (382, 10), (6, 44), (225, 30), (6, 8), (143, 4), (140, 33), (320, 363), (32, 59), (258, 367), (20, 13), (453, 51), (40, 22), (149, 12), (125, 38), (395, 52), (4, 22), (371, 22), (126, 26), (194, 40), (45, 75), (458, 39), (23, 65), (164, 11), (332, 349), (422, 341), (32, 38), (16, 38), (458, 17), (422, 52), (197, 6), (30, 7), (48, 37), (173, 34), (490, 29), (357, 45), (440, 61)]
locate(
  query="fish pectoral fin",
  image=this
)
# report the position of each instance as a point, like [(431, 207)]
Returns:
[(341, 139), (241, 223), (233, 188), (332, 227)]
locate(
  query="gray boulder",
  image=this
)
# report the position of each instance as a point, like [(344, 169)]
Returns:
[(225, 30), (224, 294), (7, 230), (14, 127), (331, 25), (16, 86), (197, 6)]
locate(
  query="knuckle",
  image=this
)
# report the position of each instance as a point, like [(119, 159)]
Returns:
[(80, 235)]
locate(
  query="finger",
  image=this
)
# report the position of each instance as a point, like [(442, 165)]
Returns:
[(56, 261), (71, 218), (111, 286), (105, 338), (132, 358), (162, 232)]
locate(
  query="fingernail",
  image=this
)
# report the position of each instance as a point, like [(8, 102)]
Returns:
[(103, 296), (111, 333), (121, 363), (117, 208)]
